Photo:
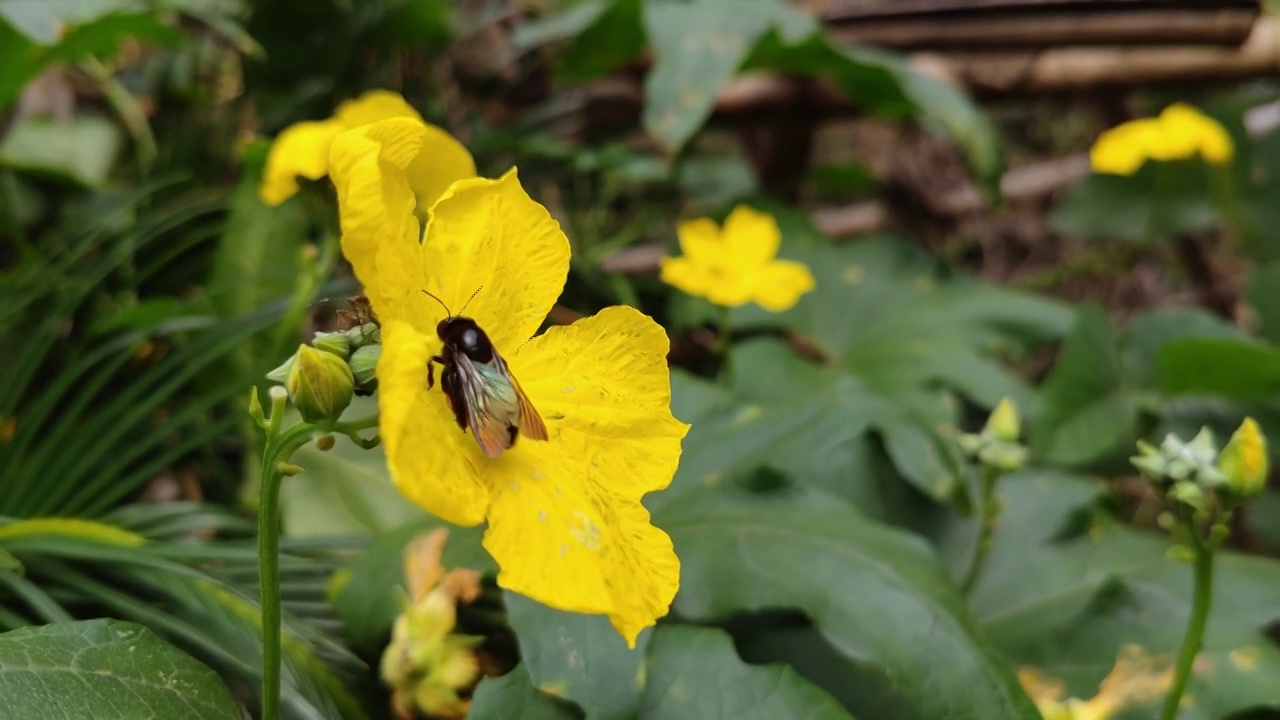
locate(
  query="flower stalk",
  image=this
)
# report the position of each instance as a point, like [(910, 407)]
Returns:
[(997, 452), (279, 448), (990, 517), (1202, 551)]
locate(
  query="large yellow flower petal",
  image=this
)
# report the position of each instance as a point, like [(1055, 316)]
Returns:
[(432, 461), (1190, 132), (566, 525), (440, 162), (302, 149), (372, 106), (782, 284), (380, 235), (751, 237), (491, 248)]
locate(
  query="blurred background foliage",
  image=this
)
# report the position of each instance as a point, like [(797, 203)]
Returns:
[(962, 250)]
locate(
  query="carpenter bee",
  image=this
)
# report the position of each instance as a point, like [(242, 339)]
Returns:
[(482, 393)]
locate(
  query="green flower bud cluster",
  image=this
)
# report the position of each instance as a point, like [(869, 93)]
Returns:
[(1187, 472), (997, 446), (322, 377)]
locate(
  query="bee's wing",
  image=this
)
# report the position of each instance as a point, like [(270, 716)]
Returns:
[(496, 405)]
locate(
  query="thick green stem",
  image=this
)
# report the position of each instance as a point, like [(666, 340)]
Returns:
[(280, 447), (1202, 564), (990, 515)]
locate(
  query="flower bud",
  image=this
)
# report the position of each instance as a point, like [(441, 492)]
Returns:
[(362, 335), (1243, 462), (320, 385), (1004, 423), (281, 373), (364, 367), (336, 343)]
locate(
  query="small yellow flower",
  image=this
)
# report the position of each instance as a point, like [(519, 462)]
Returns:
[(302, 149), (1244, 460), (565, 519), (1179, 133), (737, 264), (1136, 679)]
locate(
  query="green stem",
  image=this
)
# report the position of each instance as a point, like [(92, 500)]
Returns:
[(279, 448), (990, 515), (132, 116), (1202, 564), (723, 342)]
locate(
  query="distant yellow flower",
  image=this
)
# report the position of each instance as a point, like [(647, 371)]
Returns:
[(736, 265), (1136, 679), (1179, 133), (302, 149), (565, 521)]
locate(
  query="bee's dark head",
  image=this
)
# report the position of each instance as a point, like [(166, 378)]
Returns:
[(464, 334)]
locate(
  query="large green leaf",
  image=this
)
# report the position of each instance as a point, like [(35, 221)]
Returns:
[(104, 668), (343, 491), (693, 667), (1263, 293), (883, 599), (1238, 369), (698, 47), (1160, 201), (579, 658), (1063, 592), (513, 697), (1085, 411), (883, 310)]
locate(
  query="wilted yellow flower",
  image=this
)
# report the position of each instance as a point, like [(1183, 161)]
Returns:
[(302, 149), (737, 264), (1136, 679), (565, 521), (1179, 133), (428, 667), (1244, 460)]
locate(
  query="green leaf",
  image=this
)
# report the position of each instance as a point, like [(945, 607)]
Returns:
[(1064, 590), (343, 491), (883, 310), (513, 697), (883, 600), (82, 151), (19, 62), (602, 35), (1263, 293), (105, 667), (1148, 333), (44, 21), (1236, 369), (1085, 412), (698, 47), (369, 593), (693, 667), (1160, 201), (579, 658)]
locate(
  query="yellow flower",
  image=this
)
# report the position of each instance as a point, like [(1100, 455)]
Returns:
[(1179, 133), (1136, 679), (1244, 460), (565, 521), (302, 149), (736, 265)]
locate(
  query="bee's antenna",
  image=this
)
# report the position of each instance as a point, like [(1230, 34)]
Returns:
[(446, 307), (468, 302)]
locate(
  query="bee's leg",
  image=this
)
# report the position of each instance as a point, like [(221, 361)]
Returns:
[(431, 370)]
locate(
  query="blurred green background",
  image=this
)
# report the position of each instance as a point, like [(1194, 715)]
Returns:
[(929, 162)]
